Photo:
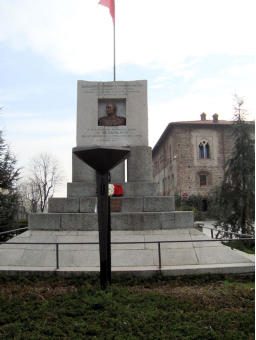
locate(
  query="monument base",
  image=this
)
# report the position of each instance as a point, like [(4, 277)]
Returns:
[(134, 213), (130, 189), (138, 209)]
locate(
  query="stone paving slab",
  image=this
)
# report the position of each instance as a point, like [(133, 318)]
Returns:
[(169, 237), (182, 257), (40, 258), (76, 238), (132, 258), (78, 247), (174, 257), (211, 255), (123, 233), (204, 244), (127, 238), (173, 232), (79, 258), (208, 269), (137, 271), (247, 256), (10, 257), (180, 245)]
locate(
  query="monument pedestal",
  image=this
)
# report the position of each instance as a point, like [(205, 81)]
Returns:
[(137, 213), (112, 115)]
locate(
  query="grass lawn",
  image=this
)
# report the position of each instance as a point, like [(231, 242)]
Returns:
[(205, 307), (247, 247)]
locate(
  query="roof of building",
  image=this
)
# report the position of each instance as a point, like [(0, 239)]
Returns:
[(190, 123), (203, 122)]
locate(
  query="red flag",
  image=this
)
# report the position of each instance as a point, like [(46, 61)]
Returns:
[(111, 5)]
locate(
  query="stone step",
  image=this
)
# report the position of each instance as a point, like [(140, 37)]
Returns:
[(119, 221), (72, 205), (118, 204), (88, 189)]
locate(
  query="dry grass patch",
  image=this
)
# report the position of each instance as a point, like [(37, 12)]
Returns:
[(40, 289), (210, 296)]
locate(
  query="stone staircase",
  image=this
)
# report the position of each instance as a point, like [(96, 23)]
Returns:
[(132, 211)]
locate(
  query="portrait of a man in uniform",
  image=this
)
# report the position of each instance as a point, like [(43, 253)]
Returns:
[(111, 118)]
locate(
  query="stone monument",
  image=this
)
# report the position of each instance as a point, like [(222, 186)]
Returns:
[(112, 117), (113, 114)]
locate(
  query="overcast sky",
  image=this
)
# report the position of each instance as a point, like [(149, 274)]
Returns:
[(195, 55)]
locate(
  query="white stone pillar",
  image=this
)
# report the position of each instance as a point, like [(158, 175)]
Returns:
[(82, 172), (139, 164), (117, 174)]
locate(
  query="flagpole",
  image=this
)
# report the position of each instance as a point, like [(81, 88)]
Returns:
[(114, 37), (111, 5)]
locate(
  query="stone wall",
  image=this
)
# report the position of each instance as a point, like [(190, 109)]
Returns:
[(177, 166)]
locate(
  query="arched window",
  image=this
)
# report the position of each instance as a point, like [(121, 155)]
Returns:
[(207, 151), (201, 150), (204, 149)]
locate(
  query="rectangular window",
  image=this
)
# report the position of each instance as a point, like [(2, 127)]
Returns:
[(202, 180)]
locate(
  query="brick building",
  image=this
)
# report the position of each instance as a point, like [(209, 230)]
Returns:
[(189, 157)]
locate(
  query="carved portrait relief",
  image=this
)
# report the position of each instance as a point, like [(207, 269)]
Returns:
[(109, 114)]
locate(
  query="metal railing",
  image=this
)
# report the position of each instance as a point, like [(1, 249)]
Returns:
[(57, 244), (201, 226), (13, 231)]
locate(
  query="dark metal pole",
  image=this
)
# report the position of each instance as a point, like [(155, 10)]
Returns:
[(109, 243), (103, 159), (159, 256), (114, 43), (104, 228), (57, 256)]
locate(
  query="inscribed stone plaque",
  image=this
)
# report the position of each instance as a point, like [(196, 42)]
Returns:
[(112, 113)]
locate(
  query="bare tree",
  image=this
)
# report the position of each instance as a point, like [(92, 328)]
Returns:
[(45, 177), (29, 196)]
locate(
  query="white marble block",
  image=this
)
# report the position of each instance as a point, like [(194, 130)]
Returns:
[(130, 101)]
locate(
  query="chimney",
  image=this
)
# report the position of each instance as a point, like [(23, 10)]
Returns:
[(215, 118), (203, 116)]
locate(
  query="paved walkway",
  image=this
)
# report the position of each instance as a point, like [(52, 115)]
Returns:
[(207, 232), (177, 258)]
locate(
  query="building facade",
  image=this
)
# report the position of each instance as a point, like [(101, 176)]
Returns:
[(189, 158)]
